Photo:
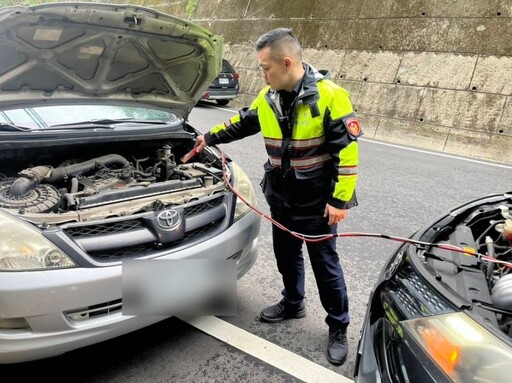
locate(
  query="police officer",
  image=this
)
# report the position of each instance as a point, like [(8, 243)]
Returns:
[(310, 134)]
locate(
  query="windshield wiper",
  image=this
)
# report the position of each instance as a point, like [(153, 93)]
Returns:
[(106, 123), (13, 128)]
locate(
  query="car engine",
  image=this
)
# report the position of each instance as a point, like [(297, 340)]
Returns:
[(495, 240), (483, 228), (110, 184)]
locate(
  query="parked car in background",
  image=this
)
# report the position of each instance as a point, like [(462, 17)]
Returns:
[(441, 310), (94, 103), (225, 87)]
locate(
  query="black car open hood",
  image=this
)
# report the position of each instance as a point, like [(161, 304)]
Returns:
[(85, 52)]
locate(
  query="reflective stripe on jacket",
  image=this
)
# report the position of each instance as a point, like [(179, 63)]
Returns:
[(313, 154)]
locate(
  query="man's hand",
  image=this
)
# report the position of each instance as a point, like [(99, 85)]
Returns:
[(200, 143), (199, 146), (334, 214)]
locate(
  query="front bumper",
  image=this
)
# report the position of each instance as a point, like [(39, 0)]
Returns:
[(46, 300)]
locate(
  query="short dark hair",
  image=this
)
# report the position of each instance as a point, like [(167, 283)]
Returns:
[(281, 41)]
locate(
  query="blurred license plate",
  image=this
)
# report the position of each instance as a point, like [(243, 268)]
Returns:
[(223, 81)]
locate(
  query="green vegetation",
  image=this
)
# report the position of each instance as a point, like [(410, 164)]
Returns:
[(191, 7)]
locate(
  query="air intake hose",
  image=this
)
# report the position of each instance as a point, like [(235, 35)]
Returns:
[(30, 178)]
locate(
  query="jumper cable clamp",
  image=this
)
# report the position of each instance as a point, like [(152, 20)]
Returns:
[(189, 155)]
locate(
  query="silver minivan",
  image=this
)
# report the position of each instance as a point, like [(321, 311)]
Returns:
[(94, 104)]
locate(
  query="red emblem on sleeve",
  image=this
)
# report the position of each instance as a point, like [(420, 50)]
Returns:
[(353, 126)]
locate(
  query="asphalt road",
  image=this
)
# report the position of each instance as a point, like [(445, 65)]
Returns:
[(400, 190)]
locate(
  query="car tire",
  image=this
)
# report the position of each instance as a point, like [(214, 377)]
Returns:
[(222, 102)]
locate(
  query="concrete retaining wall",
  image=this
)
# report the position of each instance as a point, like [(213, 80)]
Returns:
[(428, 73)]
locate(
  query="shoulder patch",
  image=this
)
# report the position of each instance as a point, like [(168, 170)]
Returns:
[(353, 127)]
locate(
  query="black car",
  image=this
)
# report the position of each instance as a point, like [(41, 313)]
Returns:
[(441, 310), (225, 87)]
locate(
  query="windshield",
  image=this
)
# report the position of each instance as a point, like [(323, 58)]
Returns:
[(47, 116)]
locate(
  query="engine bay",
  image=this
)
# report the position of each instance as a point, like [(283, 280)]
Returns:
[(483, 279), (64, 184), (492, 229)]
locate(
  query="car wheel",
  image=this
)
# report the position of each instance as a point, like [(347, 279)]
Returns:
[(222, 102)]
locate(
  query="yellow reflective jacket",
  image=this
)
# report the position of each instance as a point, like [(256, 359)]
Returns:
[(312, 152)]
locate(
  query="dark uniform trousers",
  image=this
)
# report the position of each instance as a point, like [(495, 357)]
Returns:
[(324, 261)]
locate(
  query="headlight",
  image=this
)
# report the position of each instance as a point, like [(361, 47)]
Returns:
[(462, 349), (243, 186), (24, 248)]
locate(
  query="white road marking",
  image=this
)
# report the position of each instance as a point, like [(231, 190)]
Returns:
[(278, 357)]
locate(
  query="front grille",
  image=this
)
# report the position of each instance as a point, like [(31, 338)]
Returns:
[(201, 232), (424, 293), (124, 253), (405, 303), (413, 297), (105, 228), (202, 207), (130, 252), (140, 235), (131, 224)]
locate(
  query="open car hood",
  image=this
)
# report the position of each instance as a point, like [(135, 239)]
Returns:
[(85, 52)]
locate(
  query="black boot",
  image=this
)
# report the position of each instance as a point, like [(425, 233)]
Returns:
[(338, 347), (282, 311)]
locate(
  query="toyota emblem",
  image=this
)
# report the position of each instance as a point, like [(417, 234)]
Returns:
[(168, 219)]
